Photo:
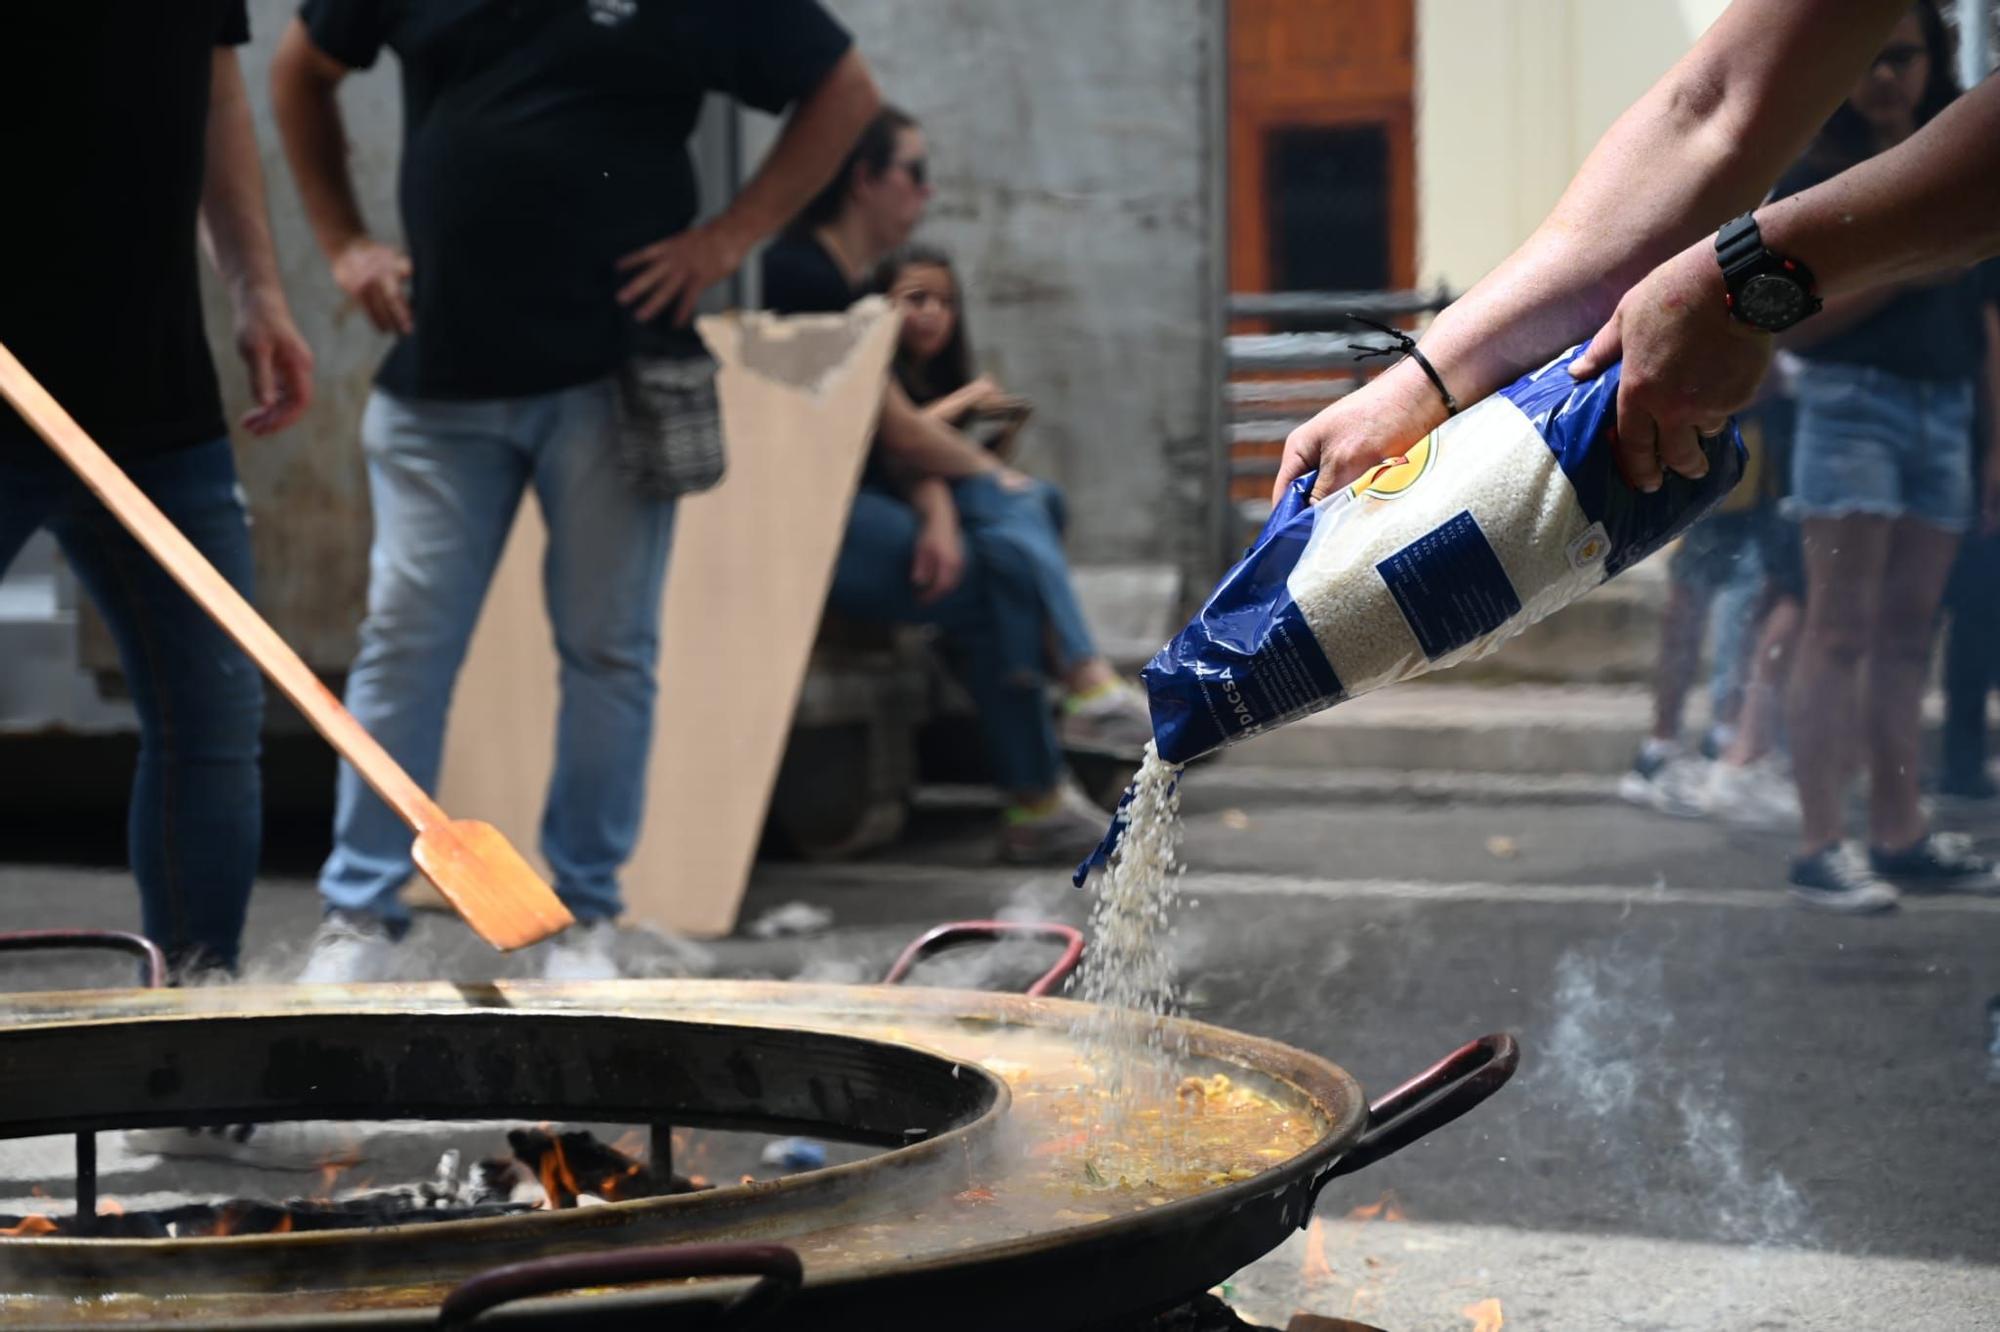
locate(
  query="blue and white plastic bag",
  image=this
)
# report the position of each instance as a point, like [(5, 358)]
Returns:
[(1506, 513)]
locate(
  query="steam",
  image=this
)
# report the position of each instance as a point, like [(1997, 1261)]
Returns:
[(1606, 1064)]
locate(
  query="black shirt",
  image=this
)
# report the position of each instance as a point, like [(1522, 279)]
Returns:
[(800, 277), (542, 141), (1931, 333), (103, 117)]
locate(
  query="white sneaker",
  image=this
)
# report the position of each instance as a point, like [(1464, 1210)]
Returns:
[(1674, 787), (349, 948), (1755, 796), (582, 953)]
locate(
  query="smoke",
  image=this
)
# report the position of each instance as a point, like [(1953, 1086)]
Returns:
[(1610, 1064)]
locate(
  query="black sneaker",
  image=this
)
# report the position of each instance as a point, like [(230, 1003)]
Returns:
[(1836, 879), (1938, 863)]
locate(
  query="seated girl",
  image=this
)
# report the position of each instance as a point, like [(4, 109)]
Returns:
[(943, 531)]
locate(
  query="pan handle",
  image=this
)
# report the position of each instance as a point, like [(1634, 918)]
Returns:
[(1430, 1100), (776, 1267), (153, 963), (972, 931)]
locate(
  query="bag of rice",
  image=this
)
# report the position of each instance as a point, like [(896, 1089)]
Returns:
[(1506, 513)]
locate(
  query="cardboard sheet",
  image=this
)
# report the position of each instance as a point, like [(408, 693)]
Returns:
[(752, 560)]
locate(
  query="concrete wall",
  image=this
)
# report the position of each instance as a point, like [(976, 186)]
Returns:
[(1075, 161), (1511, 96)]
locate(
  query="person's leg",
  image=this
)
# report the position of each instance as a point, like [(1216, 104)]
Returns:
[(1763, 695), (196, 817), (872, 581), (1682, 625), (603, 575), (1971, 665), (445, 482), (1845, 558), (1734, 624), (27, 498), (1027, 525), (1918, 561)]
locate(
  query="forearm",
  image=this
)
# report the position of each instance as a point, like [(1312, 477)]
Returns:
[(1705, 143), (921, 446), (303, 83), (811, 147), (235, 227), (1929, 205), (931, 497)]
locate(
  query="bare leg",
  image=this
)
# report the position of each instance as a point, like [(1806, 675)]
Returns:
[(1845, 558), (1764, 694), (1681, 625), (1919, 561), (1088, 677)]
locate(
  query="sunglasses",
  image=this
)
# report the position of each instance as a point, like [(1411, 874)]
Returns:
[(919, 171)]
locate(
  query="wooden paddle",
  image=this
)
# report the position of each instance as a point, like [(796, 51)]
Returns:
[(479, 872)]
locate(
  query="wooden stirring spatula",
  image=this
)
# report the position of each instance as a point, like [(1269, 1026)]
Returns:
[(479, 872)]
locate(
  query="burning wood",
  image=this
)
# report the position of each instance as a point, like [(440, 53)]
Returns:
[(26, 1227), (1485, 1316), (575, 1165), (1385, 1208)]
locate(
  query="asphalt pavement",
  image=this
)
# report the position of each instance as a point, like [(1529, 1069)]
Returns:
[(1731, 1112)]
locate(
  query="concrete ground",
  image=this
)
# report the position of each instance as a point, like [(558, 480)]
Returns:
[(1730, 1113)]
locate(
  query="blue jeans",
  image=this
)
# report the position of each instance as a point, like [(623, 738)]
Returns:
[(999, 621), (1872, 442), (196, 814), (446, 479)]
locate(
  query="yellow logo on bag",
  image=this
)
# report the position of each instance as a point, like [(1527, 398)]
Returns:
[(1397, 475)]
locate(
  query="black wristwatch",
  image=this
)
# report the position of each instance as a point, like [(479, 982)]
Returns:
[(1766, 290)]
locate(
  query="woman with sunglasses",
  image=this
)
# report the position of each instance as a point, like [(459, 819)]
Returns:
[(944, 533), (1882, 484)]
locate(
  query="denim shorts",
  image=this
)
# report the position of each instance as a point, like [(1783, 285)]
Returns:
[(1872, 442)]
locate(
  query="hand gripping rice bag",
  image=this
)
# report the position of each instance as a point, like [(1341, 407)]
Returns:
[(1506, 513)]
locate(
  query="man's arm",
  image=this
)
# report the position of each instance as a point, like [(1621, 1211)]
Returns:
[(236, 234), (1706, 142), (1929, 205), (304, 80), (673, 273)]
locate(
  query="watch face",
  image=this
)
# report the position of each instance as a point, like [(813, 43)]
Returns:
[(1772, 302)]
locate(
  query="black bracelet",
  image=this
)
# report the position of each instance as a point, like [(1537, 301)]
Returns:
[(1407, 345)]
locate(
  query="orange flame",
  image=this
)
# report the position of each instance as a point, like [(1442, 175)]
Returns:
[(284, 1226), (331, 1170), (630, 1143), (1314, 1268), (1485, 1316), (558, 1180), (1385, 1208), (30, 1227)]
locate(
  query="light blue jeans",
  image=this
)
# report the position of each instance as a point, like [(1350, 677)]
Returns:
[(446, 479), (1012, 605)]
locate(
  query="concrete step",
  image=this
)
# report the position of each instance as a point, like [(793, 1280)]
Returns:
[(1486, 729), (1507, 728), (1610, 636)]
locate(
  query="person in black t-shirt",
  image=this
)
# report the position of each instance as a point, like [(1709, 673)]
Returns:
[(943, 532), (127, 131), (548, 199), (1882, 484)]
